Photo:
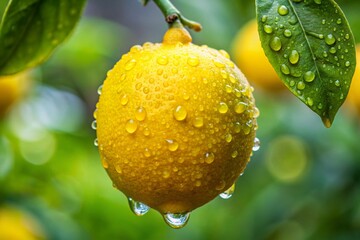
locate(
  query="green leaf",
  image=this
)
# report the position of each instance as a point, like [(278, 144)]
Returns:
[(30, 30), (311, 47)]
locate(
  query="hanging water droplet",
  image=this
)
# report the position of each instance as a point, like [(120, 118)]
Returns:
[(285, 69), (99, 90), (96, 143), (228, 193), (138, 208), (347, 64), (94, 125), (330, 39), (283, 10), (294, 57), (256, 145), (180, 113), (317, 1), (176, 220), (275, 44)]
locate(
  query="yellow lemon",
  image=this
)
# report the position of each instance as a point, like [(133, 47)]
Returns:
[(176, 125), (354, 91), (251, 59)]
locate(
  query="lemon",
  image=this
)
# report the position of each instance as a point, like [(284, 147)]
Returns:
[(11, 89), (175, 124), (251, 59), (353, 97)]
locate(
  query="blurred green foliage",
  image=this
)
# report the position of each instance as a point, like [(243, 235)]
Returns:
[(50, 168)]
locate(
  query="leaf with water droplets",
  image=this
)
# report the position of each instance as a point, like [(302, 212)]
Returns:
[(31, 29), (312, 49)]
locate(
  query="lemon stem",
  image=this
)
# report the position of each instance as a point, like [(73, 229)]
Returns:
[(173, 16)]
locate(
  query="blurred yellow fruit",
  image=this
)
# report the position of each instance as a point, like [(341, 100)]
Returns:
[(17, 225), (251, 59), (354, 91), (176, 124), (11, 89)]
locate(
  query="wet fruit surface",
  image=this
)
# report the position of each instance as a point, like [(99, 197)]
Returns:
[(175, 124)]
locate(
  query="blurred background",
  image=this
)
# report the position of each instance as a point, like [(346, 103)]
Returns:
[(303, 183)]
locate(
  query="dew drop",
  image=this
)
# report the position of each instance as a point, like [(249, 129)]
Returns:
[(228, 89), (285, 69), (294, 57), (320, 106), (339, 21), (173, 145), (99, 90), (309, 101), (104, 163), (264, 18), (131, 126), (228, 137), (268, 29), (193, 61), (224, 53), (287, 33), (138, 208), (240, 107), (347, 36), (147, 152), (162, 60), (275, 44), (209, 157), (176, 220), (223, 107), (130, 64), (228, 193), (94, 125), (283, 10), (96, 143), (124, 100), (300, 85), (332, 50), (330, 39), (337, 83), (292, 83), (234, 154), (219, 64), (317, 1), (180, 113), (256, 145), (198, 122), (347, 64), (309, 76), (140, 114)]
